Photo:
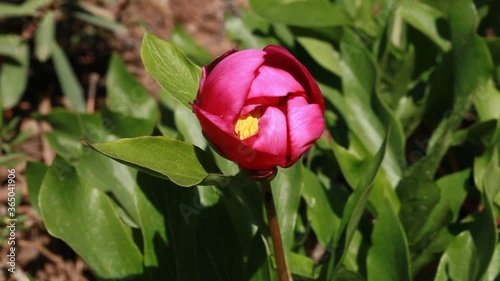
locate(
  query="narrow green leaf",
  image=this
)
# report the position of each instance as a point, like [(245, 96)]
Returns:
[(170, 68), (44, 36), (286, 188), (471, 51), (319, 13), (388, 258), (493, 271), (426, 19), (70, 86), (85, 218), (358, 82), (102, 22), (180, 162), (9, 45), (491, 175), (12, 160), (12, 10), (14, 75), (353, 211), (320, 208), (323, 53)]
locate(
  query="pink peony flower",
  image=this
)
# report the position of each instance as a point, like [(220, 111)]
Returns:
[(261, 109)]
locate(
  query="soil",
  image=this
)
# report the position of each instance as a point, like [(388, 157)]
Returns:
[(38, 254)]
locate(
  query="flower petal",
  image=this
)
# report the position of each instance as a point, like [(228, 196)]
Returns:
[(206, 70), (279, 57), (305, 125), (226, 86), (273, 136), (222, 136), (273, 82)]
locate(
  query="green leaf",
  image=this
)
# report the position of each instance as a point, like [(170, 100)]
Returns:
[(70, 86), (494, 46), (239, 30), (319, 13), (469, 254), (102, 22), (35, 172), (475, 65), (458, 257), (493, 271), (303, 266), (454, 190), (12, 159), (71, 208), (354, 210), (323, 53), (344, 274), (426, 211), (487, 101), (71, 123), (419, 197), (9, 45), (13, 10), (358, 81), (188, 236), (98, 171), (286, 188), (388, 258), (44, 36), (162, 207), (14, 75), (180, 162), (131, 111), (170, 68), (193, 50), (426, 19), (320, 207), (189, 126)]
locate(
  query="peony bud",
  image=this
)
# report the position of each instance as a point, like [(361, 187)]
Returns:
[(261, 109)]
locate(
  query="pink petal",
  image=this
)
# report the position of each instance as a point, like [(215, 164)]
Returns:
[(226, 86), (273, 82), (273, 134), (216, 61), (252, 104), (222, 136), (279, 57), (207, 69), (305, 125)]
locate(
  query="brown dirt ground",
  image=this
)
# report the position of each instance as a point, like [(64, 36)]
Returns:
[(38, 254)]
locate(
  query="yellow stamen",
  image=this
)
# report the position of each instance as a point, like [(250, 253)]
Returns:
[(248, 125)]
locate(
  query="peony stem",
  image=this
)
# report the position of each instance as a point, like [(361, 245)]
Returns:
[(279, 253)]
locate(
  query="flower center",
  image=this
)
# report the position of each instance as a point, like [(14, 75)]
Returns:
[(248, 125)]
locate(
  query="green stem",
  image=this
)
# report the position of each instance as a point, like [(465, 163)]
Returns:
[(279, 253)]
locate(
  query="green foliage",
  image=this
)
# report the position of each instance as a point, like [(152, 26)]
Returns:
[(171, 69), (419, 203)]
